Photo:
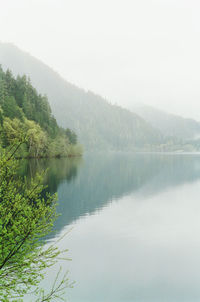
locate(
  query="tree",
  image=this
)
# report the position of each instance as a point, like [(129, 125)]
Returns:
[(36, 139), (26, 216), (10, 108), (71, 135), (23, 108), (1, 117)]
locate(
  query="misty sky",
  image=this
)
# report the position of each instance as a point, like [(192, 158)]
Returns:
[(143, 51)]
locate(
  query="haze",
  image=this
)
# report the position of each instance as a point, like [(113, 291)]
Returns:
[(140, 51)]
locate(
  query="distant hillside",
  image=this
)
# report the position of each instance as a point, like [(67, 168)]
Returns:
[(169, 124), (99, 125)]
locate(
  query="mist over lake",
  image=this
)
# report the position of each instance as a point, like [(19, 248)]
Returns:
[(99, 151), (133, 222)]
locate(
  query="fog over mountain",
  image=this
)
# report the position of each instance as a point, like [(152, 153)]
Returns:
[(129, 52), (169, 124), (100, 150), (99, 125)]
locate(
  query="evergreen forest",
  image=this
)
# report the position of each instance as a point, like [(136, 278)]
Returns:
[(99, 125), (25, 116)]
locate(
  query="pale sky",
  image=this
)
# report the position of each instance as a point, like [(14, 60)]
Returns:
[(143, 51)]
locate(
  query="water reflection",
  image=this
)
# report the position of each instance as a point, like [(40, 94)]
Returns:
[(86, 185), (57, 170), (138, 236)]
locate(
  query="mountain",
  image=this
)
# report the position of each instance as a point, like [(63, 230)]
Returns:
[(99, 124), (169, 124), (25, 116)]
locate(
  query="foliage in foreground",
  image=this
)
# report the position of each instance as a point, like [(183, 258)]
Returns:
[(26, 216)]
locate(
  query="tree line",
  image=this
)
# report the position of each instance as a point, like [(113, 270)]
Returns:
[(26, 114)]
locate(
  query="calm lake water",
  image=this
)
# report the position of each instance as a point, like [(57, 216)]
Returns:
[(134, 224)]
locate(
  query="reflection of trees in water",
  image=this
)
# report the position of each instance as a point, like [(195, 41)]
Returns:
[(104, 178), (56, 170), (60, 170), (84, 188)]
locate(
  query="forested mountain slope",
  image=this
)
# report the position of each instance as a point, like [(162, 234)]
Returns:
[(169, 124), (26, 116), (99, 125)]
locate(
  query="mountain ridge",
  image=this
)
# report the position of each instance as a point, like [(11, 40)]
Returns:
[(169, 124), (99, 124)]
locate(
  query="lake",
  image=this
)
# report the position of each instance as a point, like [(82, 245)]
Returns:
[(133, 222)]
